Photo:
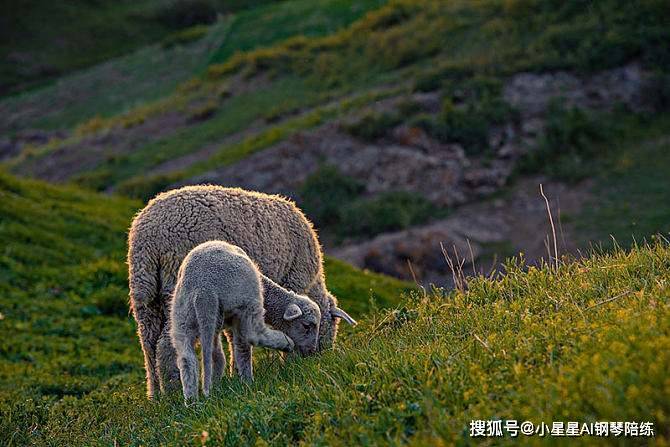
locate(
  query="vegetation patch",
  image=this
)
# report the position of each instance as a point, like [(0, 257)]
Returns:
[(71, 367), (372, 125), (335, 202), (572, 139), (470, 108), (391, 211), (629, 185)]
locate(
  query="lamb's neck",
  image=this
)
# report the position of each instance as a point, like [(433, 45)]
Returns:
[(275, 300)]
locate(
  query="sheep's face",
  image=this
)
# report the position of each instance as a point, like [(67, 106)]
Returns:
[(301, 323)]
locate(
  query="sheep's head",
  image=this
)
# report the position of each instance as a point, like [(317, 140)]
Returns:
[(301, 322)]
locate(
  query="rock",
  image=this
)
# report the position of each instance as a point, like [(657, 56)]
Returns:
[(416, 164)]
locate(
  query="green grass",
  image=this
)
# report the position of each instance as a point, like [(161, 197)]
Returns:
[(39, 42), (103, 31), (630, 194), (111, 88), (533, 345), (264, 26), (63, 295)]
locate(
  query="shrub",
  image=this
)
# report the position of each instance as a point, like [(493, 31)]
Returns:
[(325, 192), (373, 126), (467, 125), (389, 211), (571, 139)]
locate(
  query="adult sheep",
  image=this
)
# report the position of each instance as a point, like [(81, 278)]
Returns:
[(270, 229)]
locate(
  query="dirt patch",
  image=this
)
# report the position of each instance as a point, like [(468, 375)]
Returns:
[(92, 151)]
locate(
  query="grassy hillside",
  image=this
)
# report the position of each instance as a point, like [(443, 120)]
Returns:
[(38, 41), (64, 324), (253, 95), (154, 71), (590, 342)]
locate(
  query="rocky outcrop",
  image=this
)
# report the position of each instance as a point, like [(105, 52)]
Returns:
[(428, 168), (480, 234)]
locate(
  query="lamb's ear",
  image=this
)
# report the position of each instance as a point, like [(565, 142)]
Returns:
[(292, 312), (337, 312)]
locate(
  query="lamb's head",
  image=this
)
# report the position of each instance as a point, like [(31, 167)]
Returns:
[(301, 323)]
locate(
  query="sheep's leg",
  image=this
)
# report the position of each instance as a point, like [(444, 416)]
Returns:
[(218, 359), (254, 330), (166, 362), (148, 317), (146, 307), (187, 363), (242, 356)]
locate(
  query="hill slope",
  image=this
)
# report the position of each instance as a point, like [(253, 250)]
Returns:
[(38, 41), (590, 342), (64, 324)]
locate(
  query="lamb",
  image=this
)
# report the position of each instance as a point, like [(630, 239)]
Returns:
[(270, 229), (219, 286)]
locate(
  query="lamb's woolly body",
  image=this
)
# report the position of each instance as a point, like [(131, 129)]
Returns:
[(219, 286), (270, 229)]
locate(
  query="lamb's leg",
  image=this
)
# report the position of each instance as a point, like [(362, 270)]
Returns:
[(188, 365), (242, 356), (218, 360), (148, 317), (207, 335)]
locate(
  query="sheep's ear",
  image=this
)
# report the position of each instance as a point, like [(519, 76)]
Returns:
[(337, 312), (292, 312)]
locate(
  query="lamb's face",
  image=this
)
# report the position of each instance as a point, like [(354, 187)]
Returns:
[(301, 323)]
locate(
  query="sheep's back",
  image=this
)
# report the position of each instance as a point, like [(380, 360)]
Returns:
[(270, 229)]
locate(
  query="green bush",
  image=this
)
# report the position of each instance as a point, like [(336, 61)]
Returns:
[(467, 124), (571, 139), (390, 211), (373, 126), (334, 202), (325, 192)]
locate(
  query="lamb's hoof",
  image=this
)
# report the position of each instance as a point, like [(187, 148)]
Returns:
[(289, 344)]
